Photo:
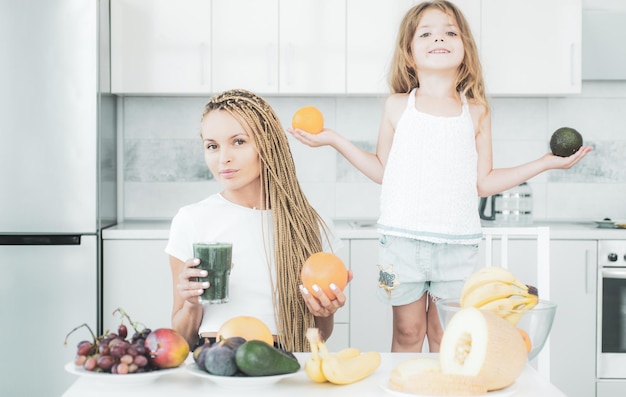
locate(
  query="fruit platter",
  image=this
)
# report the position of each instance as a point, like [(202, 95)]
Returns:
[(121, 358)]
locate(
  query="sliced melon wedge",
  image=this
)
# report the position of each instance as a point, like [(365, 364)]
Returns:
[(422, 375), (479, 343)]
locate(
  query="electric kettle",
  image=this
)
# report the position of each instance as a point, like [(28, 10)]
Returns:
[(512, 207)]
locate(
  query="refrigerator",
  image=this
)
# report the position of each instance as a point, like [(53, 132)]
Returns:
[(57, 186)]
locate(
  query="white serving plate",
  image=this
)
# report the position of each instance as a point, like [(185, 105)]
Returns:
[(237, 382), (117, 379)]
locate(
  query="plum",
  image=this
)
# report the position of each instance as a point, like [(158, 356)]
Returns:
[(220, 360)]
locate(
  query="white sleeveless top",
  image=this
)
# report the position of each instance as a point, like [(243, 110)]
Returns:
[(429, 189)]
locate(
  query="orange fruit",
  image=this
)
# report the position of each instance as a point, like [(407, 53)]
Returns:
[(247, 327), (309, 119), (526, 338), (323, 268)]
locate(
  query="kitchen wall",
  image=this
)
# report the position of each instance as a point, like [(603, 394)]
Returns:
[(162, 166)]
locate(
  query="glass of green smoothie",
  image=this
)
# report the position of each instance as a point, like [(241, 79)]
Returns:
[(216, 259)]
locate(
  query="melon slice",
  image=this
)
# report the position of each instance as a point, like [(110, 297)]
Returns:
[(480, 343), (422, 375)]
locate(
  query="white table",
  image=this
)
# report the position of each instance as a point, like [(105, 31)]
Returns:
[(183, 383)]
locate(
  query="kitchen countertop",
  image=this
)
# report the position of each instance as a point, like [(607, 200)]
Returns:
[(183, 383), (365, 229)]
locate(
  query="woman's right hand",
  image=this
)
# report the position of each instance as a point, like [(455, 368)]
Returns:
[(188, 288)]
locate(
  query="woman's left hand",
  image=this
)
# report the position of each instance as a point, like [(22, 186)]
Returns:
[(319, 304)]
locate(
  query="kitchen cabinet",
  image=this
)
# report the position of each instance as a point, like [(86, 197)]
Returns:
[(531, 47), (371, 320), (278, 46), (573, 265), (136, 276), (312, 46), (340, 339), (245, 45), (371, 33), (160, 46)]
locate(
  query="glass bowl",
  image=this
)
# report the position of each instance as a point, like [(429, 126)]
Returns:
[(537, 322)]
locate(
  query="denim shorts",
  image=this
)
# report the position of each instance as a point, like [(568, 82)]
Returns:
[(408, 268)]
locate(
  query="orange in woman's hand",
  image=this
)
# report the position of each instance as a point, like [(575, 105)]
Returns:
[(309, 119), (323, 268)]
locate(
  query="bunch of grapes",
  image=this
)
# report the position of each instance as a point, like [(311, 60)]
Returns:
[(113, 352)]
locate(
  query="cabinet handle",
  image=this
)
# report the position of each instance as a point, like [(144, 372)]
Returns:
[(590, 285), (204, 62), (289, 63), (272, 59), (572, 68)]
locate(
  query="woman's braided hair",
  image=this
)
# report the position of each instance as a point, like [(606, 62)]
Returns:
[(297, 227)]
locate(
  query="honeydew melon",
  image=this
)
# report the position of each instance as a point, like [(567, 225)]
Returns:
[(479, 343)]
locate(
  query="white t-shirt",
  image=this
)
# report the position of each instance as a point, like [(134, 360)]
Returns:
[(253, 274)]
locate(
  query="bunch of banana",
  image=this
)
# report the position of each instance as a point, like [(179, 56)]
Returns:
[(341, 368), (496, 289)]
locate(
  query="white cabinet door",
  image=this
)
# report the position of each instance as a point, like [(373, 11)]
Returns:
[(531, 47), (573, 286), (312, 46), (136, 276), (370, 319), (371, 33), (245, 45), (279, 46), (340, 339), (160, 46)]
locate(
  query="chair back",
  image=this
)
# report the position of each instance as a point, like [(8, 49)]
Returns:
[(540, 234)]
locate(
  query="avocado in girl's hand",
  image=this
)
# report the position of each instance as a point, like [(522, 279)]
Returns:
[(565, 141)]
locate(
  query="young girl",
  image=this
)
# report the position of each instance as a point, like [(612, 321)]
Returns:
[(434, 159), (263, 212)]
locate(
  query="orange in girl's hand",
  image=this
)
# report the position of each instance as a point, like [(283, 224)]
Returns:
[(323, 268), (526, 338), (309, 119)]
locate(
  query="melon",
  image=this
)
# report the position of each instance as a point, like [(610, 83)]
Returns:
[(479, 343), (422, 375)]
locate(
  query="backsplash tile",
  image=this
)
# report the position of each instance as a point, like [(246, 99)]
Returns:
[(605, 164), (159, 160), (163, 167)]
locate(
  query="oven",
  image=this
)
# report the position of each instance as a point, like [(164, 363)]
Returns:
[(611, 321)]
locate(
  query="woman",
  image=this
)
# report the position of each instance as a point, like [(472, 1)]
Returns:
[(263, 212)]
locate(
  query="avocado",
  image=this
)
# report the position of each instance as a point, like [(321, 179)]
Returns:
[(565, 141), (258, 358)]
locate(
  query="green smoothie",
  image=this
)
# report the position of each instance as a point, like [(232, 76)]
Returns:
[(216, 259)]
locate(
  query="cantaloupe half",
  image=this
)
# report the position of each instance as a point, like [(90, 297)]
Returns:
[(422, 375), (480, 343)]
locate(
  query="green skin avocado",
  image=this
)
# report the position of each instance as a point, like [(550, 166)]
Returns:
[(257, 358), (565, 141)]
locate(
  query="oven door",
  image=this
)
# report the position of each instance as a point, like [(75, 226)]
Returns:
[(612, 323)]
